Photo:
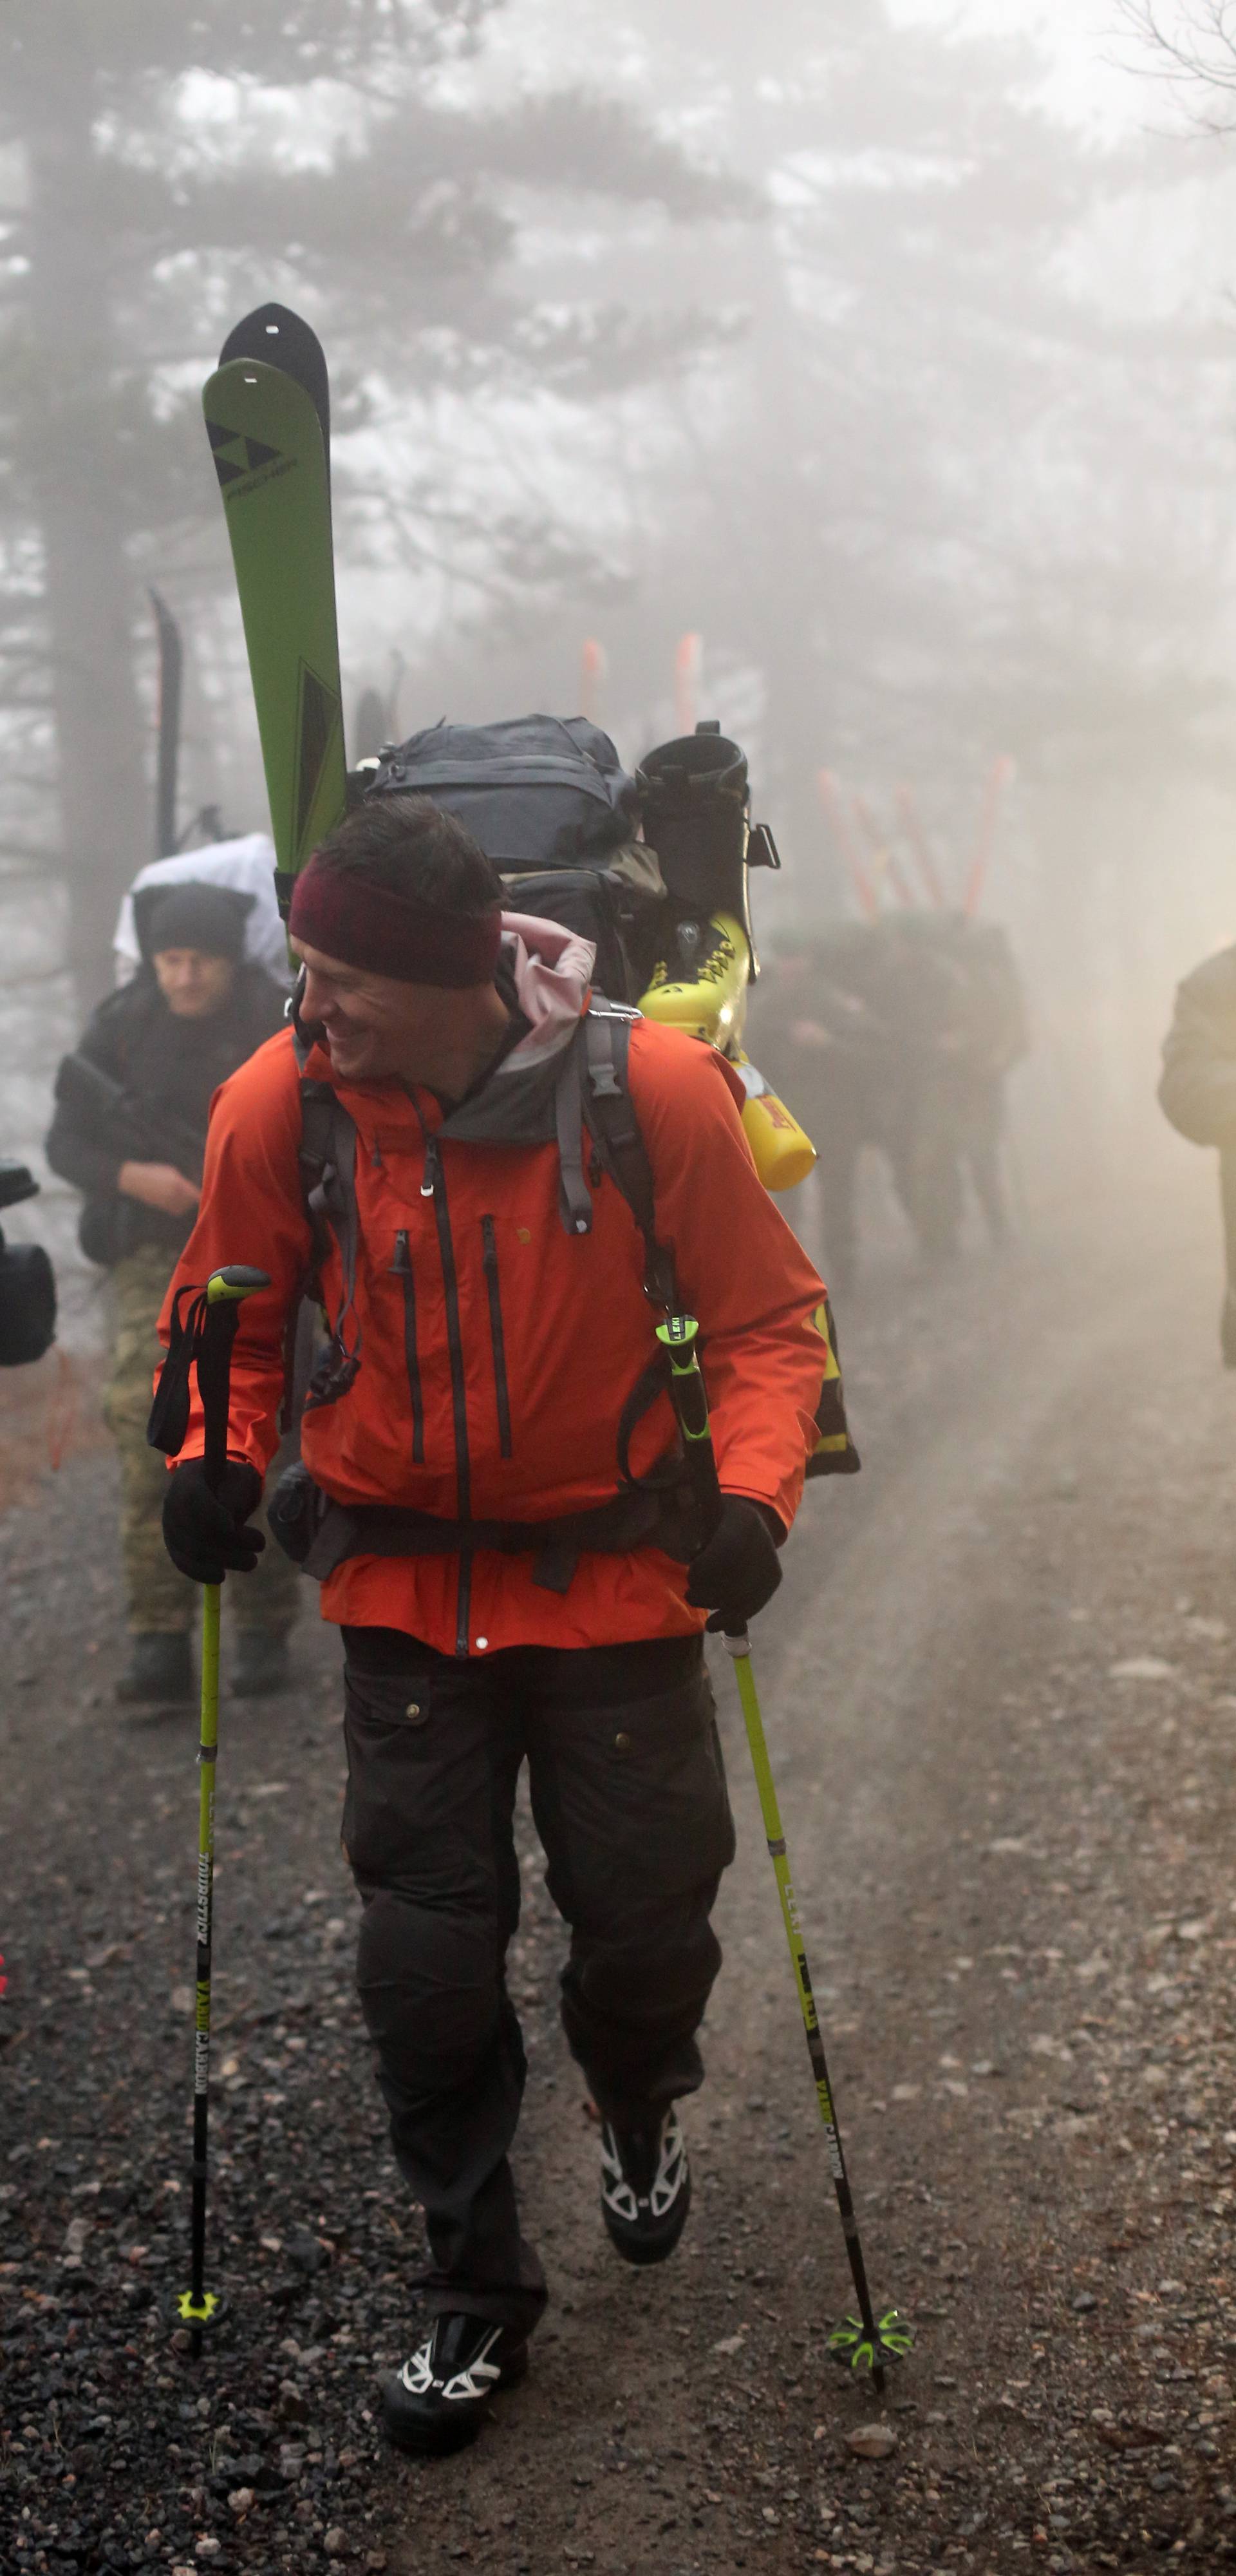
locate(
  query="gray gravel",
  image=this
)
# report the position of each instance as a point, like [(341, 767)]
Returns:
[(1001, 1680)]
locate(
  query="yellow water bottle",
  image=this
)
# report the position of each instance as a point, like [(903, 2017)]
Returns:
[(782, 1150)]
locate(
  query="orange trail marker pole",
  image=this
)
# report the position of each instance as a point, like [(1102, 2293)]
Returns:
[(688, 664), (917, 837), (884, 862), (831, 800), (592, 669)]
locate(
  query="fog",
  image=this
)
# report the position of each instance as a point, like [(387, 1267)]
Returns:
[(888, 350), (856, 377)]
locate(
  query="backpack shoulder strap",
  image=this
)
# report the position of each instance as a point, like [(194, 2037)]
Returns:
[(327, 1163), (609, 1115), (574, 1198)]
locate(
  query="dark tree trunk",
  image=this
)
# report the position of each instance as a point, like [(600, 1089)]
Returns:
[(70, 433)]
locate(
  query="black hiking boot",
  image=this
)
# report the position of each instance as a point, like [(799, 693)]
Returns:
[(645, 2188), (159, 1672), (262, 1666), (440, 2398)]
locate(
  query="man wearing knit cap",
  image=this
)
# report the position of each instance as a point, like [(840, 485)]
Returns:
[(130, 1133), (491, 1496)]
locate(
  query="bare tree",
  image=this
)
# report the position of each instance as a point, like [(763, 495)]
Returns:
[(1193, 43)]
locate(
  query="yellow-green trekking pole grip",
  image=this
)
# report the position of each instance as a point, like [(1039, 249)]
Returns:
[(864, 2342), (198, 2308)]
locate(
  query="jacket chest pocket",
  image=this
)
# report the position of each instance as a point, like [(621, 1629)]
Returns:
[(497, 1335)]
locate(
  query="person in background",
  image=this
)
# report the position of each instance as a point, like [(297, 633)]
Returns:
[(1197, 1093), (129, 1132), (971, 1031), (821, 1034)]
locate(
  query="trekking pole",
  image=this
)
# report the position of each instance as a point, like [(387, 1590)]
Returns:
[(865, 2342), (207, 1339)]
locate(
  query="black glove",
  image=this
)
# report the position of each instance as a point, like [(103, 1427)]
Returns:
[(204, 1532), (737, 1572)]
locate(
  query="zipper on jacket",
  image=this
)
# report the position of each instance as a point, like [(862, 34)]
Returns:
[(402, 1267), (434, 1187), (496, 1334)]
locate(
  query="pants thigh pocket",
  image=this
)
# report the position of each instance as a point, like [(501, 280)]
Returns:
[(632, 1803), (129, 1392), (417, 1811)]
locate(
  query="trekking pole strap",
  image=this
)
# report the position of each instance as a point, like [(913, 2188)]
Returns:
[(203, 1328), (679, 1337), (225, 1293)]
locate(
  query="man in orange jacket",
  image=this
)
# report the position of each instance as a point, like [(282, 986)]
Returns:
[(490, 1497)]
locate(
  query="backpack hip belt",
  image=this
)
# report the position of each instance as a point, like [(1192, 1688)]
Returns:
[(320, 1534)]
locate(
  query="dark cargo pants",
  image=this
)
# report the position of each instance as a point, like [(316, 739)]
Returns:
[(629, 1797)]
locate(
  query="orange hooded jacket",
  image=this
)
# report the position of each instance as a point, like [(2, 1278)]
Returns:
[(497, 1351)]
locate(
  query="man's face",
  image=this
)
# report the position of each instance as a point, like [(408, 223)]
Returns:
[(192, 983), (377, 1027)]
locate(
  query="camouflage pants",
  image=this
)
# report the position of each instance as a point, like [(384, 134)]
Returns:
[(161, 1601)]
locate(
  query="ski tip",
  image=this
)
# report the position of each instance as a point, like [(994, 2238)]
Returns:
[(257, 378), (277, 337), (272, 331), (259, 416)]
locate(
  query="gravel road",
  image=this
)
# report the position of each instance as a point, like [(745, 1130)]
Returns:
[(1001, 1687)]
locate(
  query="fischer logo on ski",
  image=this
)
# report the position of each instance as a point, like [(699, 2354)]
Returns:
[(256, 454)]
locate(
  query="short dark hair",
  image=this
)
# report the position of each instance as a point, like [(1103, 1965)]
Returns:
[(413, 846)]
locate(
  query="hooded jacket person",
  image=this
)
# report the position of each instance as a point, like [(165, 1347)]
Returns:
[(159, 1067), (504, 1591), (129, 1131)]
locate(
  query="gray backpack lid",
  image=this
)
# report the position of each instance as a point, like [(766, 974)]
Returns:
[(535, 791)]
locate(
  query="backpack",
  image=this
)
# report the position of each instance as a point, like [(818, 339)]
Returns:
[(550, 803)]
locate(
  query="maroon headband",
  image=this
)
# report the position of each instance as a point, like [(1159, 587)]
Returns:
[(343, 912)]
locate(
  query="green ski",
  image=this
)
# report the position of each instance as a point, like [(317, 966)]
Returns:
[(266, 440)]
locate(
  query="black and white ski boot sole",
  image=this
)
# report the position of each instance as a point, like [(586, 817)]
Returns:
[(645, 2189)]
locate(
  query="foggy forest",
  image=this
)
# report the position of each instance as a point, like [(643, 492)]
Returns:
[(855, 381)]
